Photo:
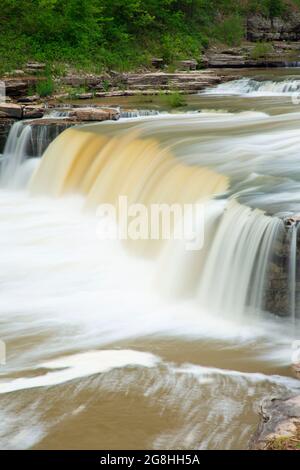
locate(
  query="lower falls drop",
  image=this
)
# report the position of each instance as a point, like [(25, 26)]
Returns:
[(249, 258)]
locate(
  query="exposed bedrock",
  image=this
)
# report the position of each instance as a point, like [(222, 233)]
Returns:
[(260, 28), (279, 428)]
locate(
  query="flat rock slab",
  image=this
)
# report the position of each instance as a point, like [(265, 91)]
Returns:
[(11, 110), (94, 114)]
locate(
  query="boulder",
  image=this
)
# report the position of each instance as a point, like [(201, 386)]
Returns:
[(11, 110), (33, 112), (94, 114)]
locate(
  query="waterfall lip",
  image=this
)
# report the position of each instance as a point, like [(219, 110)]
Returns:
[(251, 88)]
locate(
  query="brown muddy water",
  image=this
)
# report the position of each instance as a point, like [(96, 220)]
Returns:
[(110, 346)]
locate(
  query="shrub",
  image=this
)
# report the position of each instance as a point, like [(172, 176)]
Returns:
[(174, 100), (45, 87), (261, 50), (231, 31)]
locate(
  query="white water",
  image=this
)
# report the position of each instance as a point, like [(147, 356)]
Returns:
[(94, 345), (15, 153), (251, 87)]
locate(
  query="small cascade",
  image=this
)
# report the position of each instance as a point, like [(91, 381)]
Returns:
[(135, 113), (293, 272), (251, 87), (26, 141), (16, 150), (235, 269), (57, 114)]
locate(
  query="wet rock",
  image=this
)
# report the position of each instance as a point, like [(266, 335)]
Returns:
[(44, 131), (280, 424), (11, 110), (31, 112)]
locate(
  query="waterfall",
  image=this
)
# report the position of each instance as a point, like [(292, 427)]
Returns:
[(293, 239), (15, 152), (236, 265), (134, 113), (149, 165), (251, 87)]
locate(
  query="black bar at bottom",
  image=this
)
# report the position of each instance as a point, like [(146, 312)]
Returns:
[(135, 459)]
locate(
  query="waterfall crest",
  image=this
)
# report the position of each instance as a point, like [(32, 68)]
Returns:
[(252, 87)]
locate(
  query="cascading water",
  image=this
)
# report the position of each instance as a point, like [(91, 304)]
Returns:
[(101, 340), (252, 87), (15, 153), (151, 164)]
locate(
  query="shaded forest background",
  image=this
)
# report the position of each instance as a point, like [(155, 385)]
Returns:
[(97, 35)]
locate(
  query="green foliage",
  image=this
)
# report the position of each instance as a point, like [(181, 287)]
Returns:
[(174, 100), (45, 87), (231, 31), (261, 50), (122, 34)]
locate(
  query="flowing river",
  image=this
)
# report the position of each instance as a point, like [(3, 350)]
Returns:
[(144, 344)]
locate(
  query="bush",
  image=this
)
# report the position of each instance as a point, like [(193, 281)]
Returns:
[(45, 87), (261, 50), (231, 31), (174, 100)]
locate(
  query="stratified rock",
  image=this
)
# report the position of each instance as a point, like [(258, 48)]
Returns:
[(32, 112), (280, 424), (34, 67), (15, 87), (29, 99), (11, 110), (94, 114), (260, 28), (181, 81), (190, 64)]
